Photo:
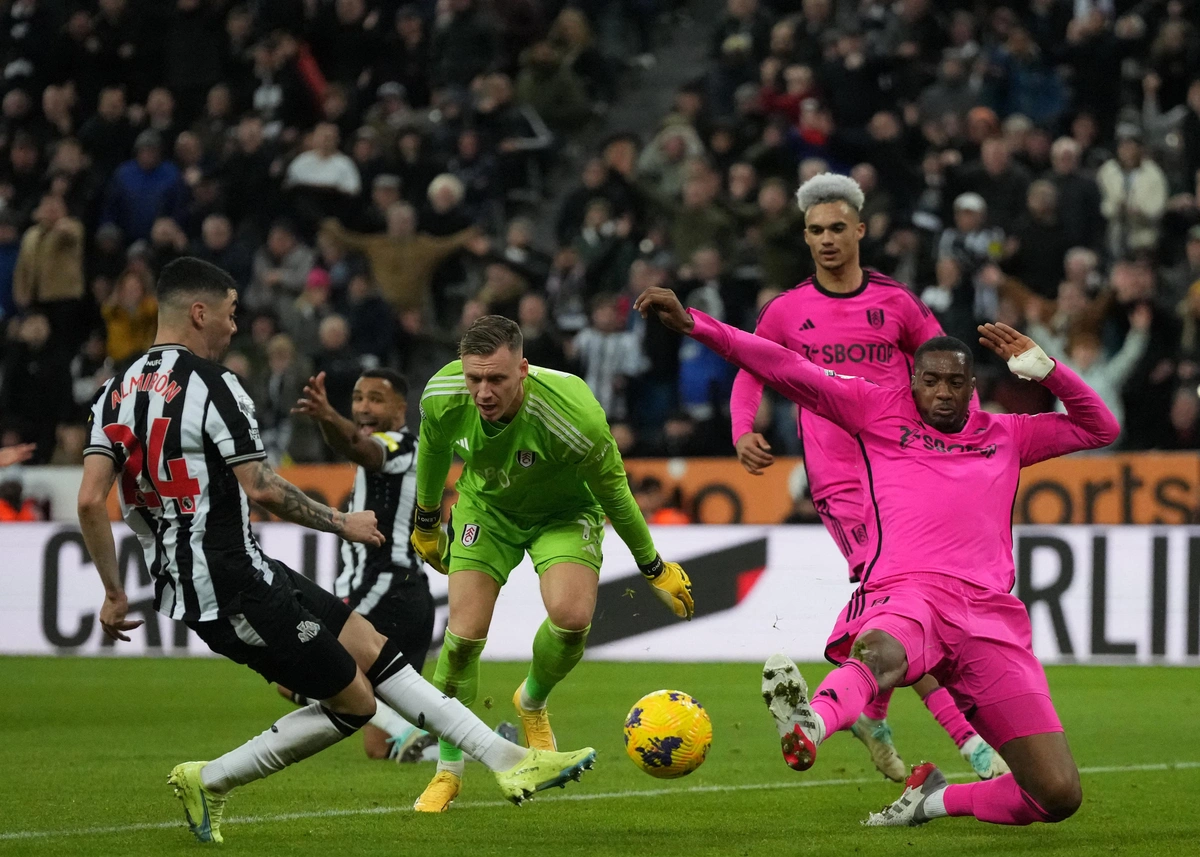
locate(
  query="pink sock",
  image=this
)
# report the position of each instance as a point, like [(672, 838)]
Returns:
[(841, 697), (941, 705), (877, 708), (999, 801)]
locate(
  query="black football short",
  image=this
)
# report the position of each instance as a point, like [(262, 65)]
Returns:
[(405, 615), (287, 632)]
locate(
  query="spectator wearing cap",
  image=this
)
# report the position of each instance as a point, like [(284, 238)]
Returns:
[(1133, 194), (49, 269), (402, 259), (390, 114), (144, 189), (464, 44), (1078, 196), (971, 241), (302, 317), (406, 56), (280, 269)]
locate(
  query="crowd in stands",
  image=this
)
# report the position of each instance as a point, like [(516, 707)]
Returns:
[(375, 176)]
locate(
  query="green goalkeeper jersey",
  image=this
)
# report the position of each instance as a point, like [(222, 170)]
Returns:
[(556, 455)]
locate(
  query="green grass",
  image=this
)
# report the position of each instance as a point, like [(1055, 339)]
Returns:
[(88, 743)]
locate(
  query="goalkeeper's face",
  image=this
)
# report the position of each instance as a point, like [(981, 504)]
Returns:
[(942, 386), (496, 382)]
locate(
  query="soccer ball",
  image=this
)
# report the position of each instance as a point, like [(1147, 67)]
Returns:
[(667, 734)]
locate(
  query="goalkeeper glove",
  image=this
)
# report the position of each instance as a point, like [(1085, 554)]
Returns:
[(670, 583), (428, 538)]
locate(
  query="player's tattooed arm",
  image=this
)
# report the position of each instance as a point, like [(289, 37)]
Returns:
[(279, 497)]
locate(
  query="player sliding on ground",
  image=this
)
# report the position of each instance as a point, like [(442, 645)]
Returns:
[(935, 595), (862, 323), (540, 473), (180, 432)]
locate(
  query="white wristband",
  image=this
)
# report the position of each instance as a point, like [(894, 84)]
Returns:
[(1032, 365)]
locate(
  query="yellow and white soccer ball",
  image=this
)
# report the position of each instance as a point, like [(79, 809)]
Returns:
[(667, 734)]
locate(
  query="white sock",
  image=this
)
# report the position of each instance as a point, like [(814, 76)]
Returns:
[(529, 703), (455, 768), (389, 721), (819, 737), (295, 736), (935, 804), (430, 709)]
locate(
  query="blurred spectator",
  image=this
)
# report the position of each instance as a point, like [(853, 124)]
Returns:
[(552, 88), (1185, 419), (15, 507), (108, 135), (130, 316), (280, 269), (35, 393), (219, 247), (1001, 182), (144, 189), (10, 249), (322, 179), (541, 346), (464, 44), (607, 356), (285, 436), (372, 325), (403, 260), (572, 36), (338, 361), (405, 57), (1078, 196), (16, 453), (302, 317), (1133, 195), (48, 275), (1039, 244), (657, 506)]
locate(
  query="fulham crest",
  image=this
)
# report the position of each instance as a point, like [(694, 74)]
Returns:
[(470, 534), (525, 458)]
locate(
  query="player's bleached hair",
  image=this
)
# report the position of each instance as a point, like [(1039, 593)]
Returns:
[(829, 187), (489, 334)]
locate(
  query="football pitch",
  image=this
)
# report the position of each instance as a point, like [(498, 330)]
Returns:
[(87, 744)]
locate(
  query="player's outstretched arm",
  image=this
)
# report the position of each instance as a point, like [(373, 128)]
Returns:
[(17, 453), (1087, 424), (339, 432), (99, 473), (279, 497), (849, 402)]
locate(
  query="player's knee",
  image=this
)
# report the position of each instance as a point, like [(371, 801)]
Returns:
[(1065, 797), (1058, 792), (886, 662), (571, 618), (357, 699)]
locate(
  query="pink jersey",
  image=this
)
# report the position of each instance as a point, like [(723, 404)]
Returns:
[(871, 332), (940, 502)]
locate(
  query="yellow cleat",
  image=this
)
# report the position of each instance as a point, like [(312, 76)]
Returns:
[(440, 793), (541, 769), (538, 734), (202, 807)]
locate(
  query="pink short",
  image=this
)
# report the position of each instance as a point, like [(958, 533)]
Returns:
[(976, 642), (843, 513)]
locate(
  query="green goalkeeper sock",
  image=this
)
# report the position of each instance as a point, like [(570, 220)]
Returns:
[(555, 653), (457, 676)]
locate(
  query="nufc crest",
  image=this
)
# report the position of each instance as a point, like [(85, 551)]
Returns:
[(525, 458), (875, 318)]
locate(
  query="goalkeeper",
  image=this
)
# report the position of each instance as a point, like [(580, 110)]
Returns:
[(541, 472)]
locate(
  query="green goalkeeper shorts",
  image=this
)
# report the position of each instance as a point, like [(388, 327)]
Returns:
[(494, 543)]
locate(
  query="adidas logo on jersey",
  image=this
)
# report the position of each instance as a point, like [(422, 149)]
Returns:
[(808, 324), (462, 441), (307, 630)]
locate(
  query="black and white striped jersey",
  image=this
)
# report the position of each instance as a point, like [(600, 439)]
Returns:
[(176, 424), (367, 573)]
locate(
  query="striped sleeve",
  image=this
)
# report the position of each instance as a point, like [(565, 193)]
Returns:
[(229, 422), (399, 451), (98, 442)]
